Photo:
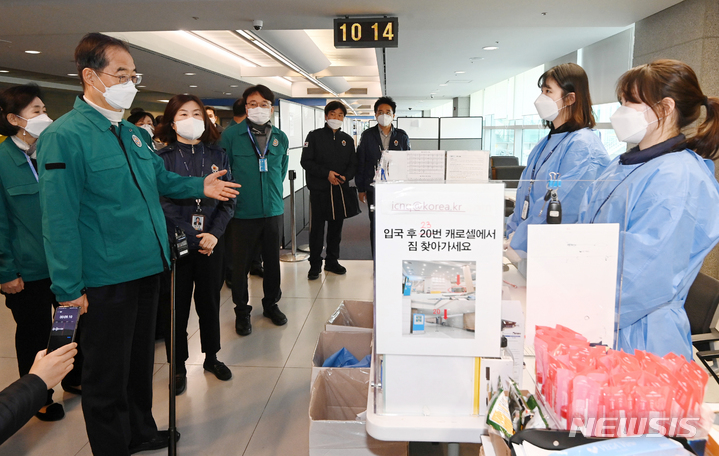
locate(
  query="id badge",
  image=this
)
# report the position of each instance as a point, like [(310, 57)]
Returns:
[(525, 208), (198, 222), (263, 165)]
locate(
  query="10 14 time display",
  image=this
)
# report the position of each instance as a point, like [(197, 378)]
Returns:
[(366, 33)]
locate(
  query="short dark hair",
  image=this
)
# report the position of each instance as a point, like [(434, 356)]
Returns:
[(12, 101), (571, 78), (264, 92), (136, 110), (91, 52), (210, 108), (167, 134), (387, 101), (138, 116), (332, 105), (238, 108)]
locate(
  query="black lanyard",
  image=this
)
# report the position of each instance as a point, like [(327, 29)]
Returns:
[(536, 170), (202, 165), (612, 192), (257, 149)]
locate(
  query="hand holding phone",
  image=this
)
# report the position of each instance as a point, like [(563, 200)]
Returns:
[(64, 326)]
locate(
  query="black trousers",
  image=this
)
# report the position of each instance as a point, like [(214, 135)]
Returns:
[(370, 211), (118, 340), (227, 255), (317, 233), (204, 274), (246, 235), (32, 311)]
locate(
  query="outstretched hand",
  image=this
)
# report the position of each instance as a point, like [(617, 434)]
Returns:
[(53, 367), (218, 189)]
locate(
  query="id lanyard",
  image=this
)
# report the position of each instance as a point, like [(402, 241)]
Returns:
[(198, 218), (612, 192), (29, 162), (533, 176), (263, 160)]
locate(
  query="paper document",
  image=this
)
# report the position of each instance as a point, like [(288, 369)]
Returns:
[(467, 165), (416, 165)]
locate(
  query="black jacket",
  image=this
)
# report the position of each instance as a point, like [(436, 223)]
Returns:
[(178, 212), (19, 402), (325, 151), (369, 152)]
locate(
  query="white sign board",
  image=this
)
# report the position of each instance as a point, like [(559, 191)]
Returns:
[(416, 165), (439, 253), (572, 279), (468, 165)]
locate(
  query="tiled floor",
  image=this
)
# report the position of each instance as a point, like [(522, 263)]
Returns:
[(261, 411)]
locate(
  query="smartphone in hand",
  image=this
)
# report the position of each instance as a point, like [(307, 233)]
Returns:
[(64, 326)]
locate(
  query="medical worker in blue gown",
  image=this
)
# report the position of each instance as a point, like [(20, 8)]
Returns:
[(571, 149), (664, 196)]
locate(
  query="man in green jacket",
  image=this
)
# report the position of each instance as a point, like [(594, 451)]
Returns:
[(106, 242), (258, 156)]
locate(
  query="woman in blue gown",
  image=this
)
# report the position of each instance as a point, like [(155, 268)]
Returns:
[(665, 197), (571, 149)]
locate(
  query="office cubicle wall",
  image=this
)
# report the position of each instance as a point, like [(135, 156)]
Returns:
[(423, 131), (296, 121), (460, 133)]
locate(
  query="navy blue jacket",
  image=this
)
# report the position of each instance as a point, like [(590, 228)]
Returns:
[(369, 152), (178, 212)]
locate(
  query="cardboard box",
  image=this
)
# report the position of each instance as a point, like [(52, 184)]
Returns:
[(330, 342), (338, 396), (352, 316)]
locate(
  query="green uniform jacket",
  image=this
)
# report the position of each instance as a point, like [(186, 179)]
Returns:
[(261, 193), (101, 215), (21, 250)]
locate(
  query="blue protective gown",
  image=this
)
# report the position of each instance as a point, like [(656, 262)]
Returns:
[(668, 211), (579, 157)]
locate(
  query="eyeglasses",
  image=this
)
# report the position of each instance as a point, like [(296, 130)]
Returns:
[(254, 104), (136, 79)]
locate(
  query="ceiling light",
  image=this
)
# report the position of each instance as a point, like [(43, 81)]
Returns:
[(233, 85), (443, 85), (6, 71), (32, 52), (72, 74), (459, 72), (490, 48), (193, 86), (164, 101), (190, 74), (142, 87), (216, 47)]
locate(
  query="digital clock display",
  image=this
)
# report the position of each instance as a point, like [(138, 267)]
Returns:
[(366, 33)]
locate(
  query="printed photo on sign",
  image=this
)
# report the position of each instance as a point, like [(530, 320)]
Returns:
[(438, 299)]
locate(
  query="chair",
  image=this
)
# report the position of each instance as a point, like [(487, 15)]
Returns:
[(701, 307), (505, 168)]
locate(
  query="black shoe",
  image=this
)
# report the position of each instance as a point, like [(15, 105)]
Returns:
[(275, 314), (335, 268), (258, 271), (218, 368), (53, 412), (314, 273), (180, 383), (69, 388), (160, 441), (243, 325)]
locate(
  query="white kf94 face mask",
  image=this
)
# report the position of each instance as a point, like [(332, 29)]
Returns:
[(37, 124), (119, 96), (258, 115), (335, 124), (630, 125), (384, 119), (191, 128), (547, 108)]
